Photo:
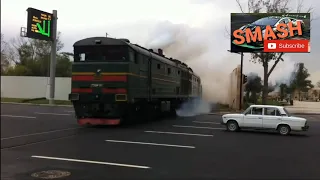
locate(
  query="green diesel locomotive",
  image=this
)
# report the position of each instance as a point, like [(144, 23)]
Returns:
[(115, 81)]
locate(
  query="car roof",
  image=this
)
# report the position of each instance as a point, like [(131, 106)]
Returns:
[(270, 106), (275, 17)]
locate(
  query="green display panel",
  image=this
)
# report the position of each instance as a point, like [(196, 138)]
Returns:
[(39, 24)]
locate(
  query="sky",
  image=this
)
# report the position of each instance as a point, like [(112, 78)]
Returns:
[(193, 31)]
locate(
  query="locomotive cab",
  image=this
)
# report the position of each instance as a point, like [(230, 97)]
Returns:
[(99, 87)]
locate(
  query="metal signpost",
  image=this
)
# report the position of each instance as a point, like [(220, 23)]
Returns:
[(43, 26)]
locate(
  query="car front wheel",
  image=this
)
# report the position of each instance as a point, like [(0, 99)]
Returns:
[(284, 129), (232, 126)]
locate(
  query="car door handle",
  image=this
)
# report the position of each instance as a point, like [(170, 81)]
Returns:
[(260, 118)]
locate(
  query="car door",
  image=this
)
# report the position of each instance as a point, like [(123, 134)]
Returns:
[(253, 119), (271, 118)]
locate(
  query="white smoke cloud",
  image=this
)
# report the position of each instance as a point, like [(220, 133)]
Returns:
[(194, 107), (203, 46), (194, 46)]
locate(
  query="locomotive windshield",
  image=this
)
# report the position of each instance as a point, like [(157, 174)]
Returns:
[(100, 54)]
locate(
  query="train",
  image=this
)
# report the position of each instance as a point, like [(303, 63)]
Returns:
[(116, 82)]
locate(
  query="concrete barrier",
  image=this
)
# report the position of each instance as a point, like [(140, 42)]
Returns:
[(33, 87)]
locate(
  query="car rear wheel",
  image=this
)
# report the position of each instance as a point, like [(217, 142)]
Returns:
[(232, 126), (284, 130)]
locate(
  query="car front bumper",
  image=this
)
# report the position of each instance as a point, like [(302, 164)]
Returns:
[(305, 128)]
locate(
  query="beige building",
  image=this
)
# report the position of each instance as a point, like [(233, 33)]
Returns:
[(234, 89), (312, 94)]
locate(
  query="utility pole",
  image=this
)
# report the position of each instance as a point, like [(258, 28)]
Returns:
[(241, 69), (53, 56)]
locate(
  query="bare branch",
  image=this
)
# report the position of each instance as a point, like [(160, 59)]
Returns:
[(275, 63), (299, 6), (238, 2), (227, 33)]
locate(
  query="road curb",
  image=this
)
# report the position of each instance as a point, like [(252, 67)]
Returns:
[(59, 105), (305, 113), (219, 113)]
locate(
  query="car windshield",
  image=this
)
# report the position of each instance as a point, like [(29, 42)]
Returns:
[(266, 21), (247, 110), (286, 111)]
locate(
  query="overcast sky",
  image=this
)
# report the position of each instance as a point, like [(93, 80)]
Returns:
[(195, 29)]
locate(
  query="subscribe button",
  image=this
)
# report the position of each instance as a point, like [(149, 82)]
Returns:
[(286, 45)]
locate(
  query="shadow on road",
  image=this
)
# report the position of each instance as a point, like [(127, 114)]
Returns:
[(272, 133)]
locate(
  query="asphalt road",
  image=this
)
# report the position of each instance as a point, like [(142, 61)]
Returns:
[(40, 138)]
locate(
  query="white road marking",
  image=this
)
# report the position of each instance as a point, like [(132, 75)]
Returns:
[(198, 127), (152, 144), (205, 122), (14, 116), (57, 114), (177, 133), (92, 162), (47, 132)]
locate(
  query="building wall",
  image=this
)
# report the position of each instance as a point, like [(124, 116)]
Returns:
[(234, 90), (310, 95), (33, 87)]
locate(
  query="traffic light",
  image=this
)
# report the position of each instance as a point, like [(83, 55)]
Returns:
[(245, 79)]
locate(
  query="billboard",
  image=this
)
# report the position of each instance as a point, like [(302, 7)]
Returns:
[(39, 24), (270, 32)]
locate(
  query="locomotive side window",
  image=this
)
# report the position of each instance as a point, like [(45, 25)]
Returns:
[(158, 66), (169, 70)]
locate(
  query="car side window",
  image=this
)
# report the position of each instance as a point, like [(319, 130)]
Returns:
[(278, 112), (269, 111), (256, 111), (286, 21)]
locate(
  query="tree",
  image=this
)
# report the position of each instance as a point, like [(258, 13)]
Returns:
[(31, 57), (271, 87), (274, 6), (253, 87), (318, 84), (283, 93), (4, 60), (300, 81)]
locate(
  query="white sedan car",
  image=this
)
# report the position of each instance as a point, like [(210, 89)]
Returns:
[(265, 117)]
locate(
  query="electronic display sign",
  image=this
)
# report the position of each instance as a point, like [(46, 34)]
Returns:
[(270, 32), (39, 25)]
